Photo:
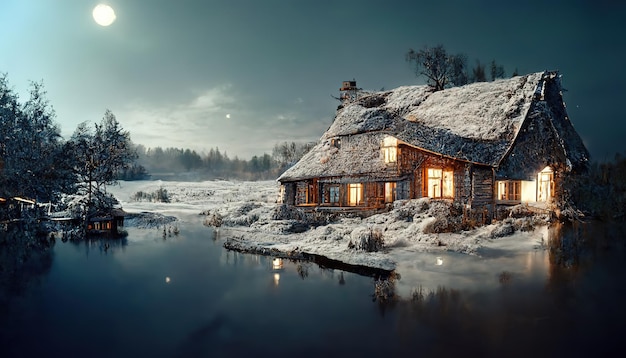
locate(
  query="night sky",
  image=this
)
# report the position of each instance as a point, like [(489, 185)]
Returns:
[(243, 75)]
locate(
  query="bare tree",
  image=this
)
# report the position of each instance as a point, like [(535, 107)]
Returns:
[(440, 68)]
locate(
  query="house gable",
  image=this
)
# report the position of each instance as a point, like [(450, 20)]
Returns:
[(547, 138)]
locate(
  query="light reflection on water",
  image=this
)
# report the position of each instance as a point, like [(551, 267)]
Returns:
[(187, 296)]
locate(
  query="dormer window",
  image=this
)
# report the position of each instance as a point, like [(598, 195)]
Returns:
[(389, 149)]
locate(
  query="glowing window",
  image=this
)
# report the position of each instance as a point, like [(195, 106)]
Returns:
[(389, 148), (545, 183), (440, 183), (355, 194), (510, 190), (390, 192)]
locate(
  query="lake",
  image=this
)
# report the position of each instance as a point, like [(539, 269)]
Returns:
[(185, 296)]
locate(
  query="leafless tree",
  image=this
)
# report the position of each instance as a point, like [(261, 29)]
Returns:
[(440, 68)]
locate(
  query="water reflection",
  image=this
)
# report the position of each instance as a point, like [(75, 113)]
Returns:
[(99, 245), (216, 302), (25, 258), (277, 264)]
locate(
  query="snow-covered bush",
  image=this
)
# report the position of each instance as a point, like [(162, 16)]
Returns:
[(310, 218), (213, 219), (247, 207), (242, 220), (503, 229), (408, 209), (160, 195), (287, 212), (451, 217), (367, 239)]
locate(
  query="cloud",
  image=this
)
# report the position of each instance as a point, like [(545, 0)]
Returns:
[(221, 116)]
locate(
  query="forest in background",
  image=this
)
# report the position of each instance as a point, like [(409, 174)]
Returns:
[(187, 164)]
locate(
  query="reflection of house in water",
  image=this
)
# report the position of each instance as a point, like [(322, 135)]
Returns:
[(106, 222), (277, 264), (485, 144)]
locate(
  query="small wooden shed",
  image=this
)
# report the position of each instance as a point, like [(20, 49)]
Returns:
[(107, 222)]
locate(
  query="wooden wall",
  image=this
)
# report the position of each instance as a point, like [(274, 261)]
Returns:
[(483, 187)]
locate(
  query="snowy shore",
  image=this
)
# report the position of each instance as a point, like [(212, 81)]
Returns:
[(246, 211)]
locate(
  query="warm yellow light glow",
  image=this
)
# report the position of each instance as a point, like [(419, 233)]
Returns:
[(529, 191), (276, 279), (355, 194), (390, 192), (390, 149), (440, 183), (545, 184), (103, 15), (277, 264)]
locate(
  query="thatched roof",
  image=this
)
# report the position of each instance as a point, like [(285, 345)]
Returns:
[(476, 123)]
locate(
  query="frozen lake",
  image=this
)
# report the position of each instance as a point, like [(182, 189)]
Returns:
[(186, 296)]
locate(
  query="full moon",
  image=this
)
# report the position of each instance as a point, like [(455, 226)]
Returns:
[(103, 15)]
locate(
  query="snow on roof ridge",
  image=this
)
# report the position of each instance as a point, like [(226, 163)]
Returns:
[(477, 122)]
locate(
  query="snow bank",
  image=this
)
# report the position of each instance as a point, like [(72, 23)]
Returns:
[(249, 212)]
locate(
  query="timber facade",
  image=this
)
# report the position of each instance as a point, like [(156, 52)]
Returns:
[(500, 143)]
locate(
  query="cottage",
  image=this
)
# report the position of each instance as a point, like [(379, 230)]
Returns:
[(12, 208), (106, 222), (485, 144)]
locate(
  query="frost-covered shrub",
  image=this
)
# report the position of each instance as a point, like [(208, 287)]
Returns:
[(439, 225), (297, 227), (247, 207), (439, 208), (287, 212), (283, 226), (527, 223), (160, 195), (408, 209), (310, 218), (503, 229), (367, 239), (243, 220), (213, 219), (451, 217)]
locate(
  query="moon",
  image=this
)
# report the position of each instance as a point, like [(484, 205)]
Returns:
[(228, 116), (103, 15)]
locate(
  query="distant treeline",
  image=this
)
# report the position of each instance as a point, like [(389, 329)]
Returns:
[(188, 164)]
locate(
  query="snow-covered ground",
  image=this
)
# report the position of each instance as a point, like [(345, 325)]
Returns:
[(246, 210)]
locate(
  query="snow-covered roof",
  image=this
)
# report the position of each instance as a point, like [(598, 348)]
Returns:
[(358, 154), (476, 123)]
